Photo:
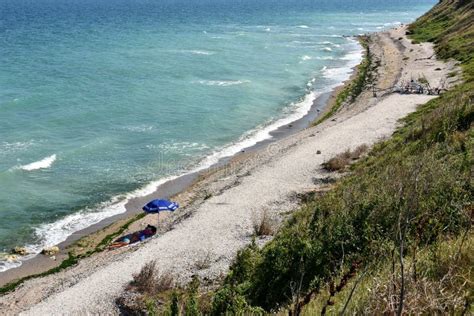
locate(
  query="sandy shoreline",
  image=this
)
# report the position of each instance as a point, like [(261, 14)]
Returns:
[(219, 208), (170, 189)]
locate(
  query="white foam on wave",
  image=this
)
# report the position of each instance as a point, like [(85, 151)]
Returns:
[(222, 83), (139, 128), (352, 58), (197, 52), (41, 164), (306, 57), (303, 42), (303, 27), (261, 133), (54, 233), (182, 148), (6, 147), (8, 261), (328, 35), (325, 58), (328, 49), (393, 23)]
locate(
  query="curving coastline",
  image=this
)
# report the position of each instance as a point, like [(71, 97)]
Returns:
[(220, 218), (73, 227)]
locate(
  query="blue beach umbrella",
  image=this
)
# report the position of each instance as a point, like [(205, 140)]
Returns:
[(157, 206)]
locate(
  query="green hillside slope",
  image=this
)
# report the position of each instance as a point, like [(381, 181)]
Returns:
[(392, 237), (396, 234)]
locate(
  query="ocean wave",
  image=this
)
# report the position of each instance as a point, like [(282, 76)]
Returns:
[(8, 261), (311, 83), (328, 49), (296, 111), (56, 232), (139, 128), (40, 164), (392, 23), (340, 74), (303, 27), (329, 35), (306, 57), (222, 83), (15, 146), (303, 42), (178, 147)]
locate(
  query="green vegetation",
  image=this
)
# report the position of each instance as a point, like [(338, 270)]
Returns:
[(410, 193), (395, 235), (353, 89), (449, 25), (436, 287)]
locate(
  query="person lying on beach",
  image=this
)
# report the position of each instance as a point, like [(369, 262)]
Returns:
[(134, 237)]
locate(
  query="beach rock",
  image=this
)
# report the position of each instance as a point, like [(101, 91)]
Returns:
[(50, 251), (11, 258), (318, 152), (22, 251)]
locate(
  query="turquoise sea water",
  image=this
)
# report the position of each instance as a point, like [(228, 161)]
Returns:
[(100, 98)]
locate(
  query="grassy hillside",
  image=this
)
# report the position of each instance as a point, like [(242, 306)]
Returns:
[(450, 25), (395, 235)]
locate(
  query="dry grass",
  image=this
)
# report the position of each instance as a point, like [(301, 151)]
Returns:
[(337, 163), (341, 161), (359, 151), (150, 281), (263, 225), (204, 262), (442, 285)]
